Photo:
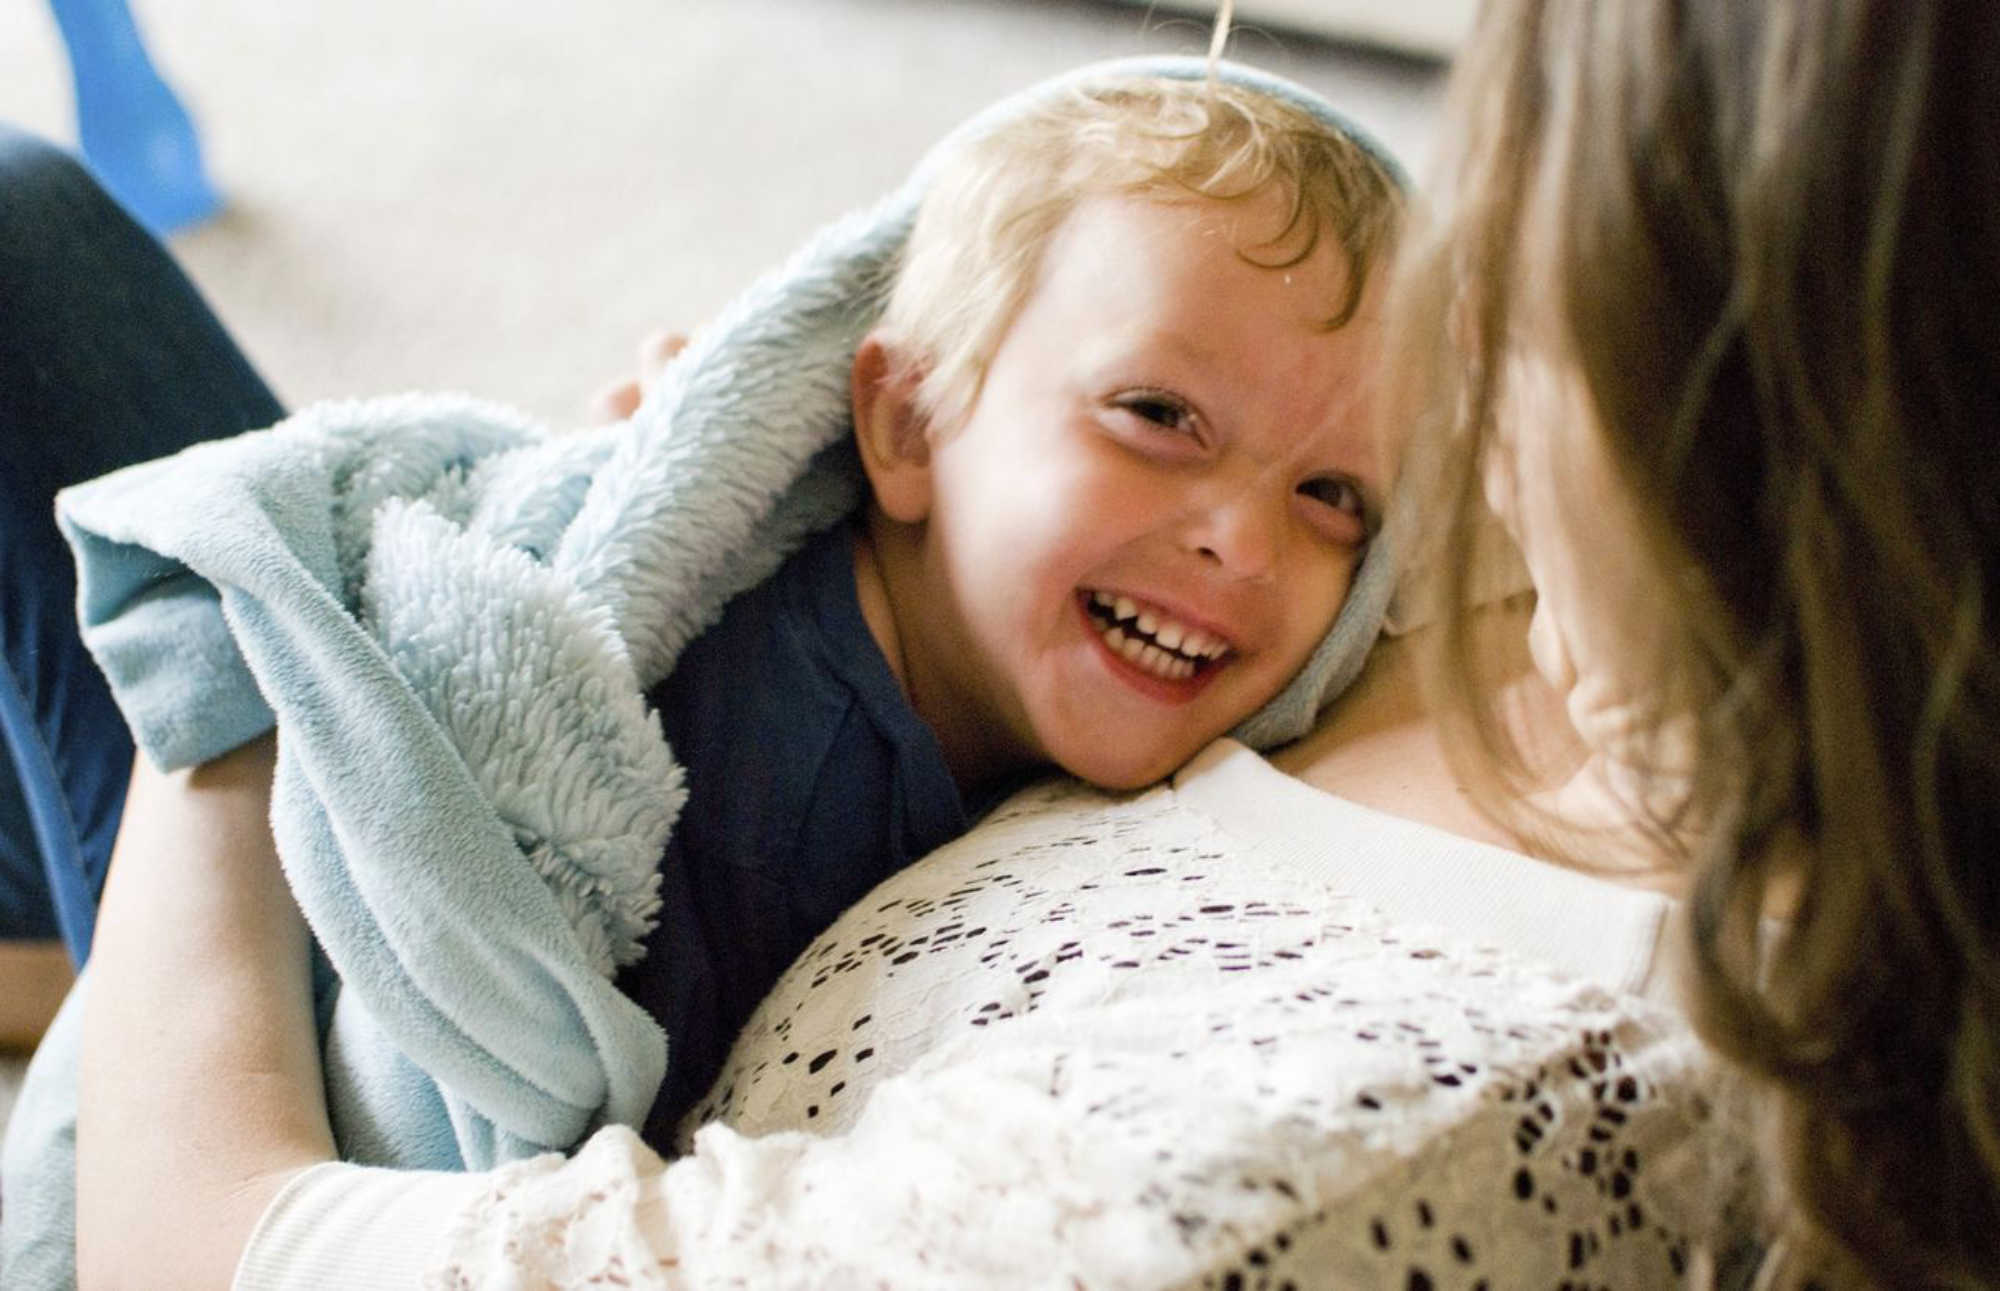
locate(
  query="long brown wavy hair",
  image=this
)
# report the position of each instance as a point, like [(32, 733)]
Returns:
[(1768, 234)]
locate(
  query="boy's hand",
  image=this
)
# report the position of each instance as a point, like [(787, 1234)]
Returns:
[(619, 400)]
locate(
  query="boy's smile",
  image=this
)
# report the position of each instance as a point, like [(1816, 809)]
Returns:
[(1152, 640), (1153, 511)]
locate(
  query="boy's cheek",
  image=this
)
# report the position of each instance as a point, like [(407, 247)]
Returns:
[(1329, 576)]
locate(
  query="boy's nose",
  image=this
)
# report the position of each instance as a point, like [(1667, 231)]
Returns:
[(1240, 532)]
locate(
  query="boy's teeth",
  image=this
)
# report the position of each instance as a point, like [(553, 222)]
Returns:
[(1150, 640)]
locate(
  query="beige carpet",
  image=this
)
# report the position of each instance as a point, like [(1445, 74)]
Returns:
[(501, 198)]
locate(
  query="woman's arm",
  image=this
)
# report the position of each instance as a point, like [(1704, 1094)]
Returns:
[(200, 1090)]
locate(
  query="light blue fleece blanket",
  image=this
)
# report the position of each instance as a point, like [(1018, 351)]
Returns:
[(452, 616)]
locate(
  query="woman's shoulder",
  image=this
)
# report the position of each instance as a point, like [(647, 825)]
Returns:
[(1267, 1053), (1099, 1039)]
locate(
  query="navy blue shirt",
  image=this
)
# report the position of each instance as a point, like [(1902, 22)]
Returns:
[(810, 779)]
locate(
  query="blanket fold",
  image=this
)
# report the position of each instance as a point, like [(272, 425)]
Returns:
[(452, 616)]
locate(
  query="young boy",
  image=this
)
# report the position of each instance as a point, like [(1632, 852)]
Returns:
[(1115, 428)]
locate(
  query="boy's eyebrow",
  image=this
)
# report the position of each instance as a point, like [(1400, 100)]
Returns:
[(1184, 344)]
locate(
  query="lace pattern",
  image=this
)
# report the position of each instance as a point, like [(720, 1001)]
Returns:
[(1101, 1044)]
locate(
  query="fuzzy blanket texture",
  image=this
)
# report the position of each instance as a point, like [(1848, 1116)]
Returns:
[(453, 615)]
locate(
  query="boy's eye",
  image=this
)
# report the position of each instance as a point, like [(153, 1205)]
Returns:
[(1338, 492), (1334, 492), (1162, 410)]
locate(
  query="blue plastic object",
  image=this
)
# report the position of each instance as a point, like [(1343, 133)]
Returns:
[(136, 136)]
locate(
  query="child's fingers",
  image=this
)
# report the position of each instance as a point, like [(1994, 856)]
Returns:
[(616, 401), (620, 399), (657, 350)]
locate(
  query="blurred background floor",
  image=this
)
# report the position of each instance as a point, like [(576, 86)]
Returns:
[(503, 198)]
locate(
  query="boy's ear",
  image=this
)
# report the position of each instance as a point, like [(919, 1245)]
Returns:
[(890, 431)]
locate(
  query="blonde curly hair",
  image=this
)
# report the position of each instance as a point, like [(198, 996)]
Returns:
[(992, 207)]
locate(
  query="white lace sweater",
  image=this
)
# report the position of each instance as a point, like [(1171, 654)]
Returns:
[(1228, 1033)]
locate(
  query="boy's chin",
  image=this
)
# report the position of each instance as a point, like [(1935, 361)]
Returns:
[(1125, 783), (1121, 774)]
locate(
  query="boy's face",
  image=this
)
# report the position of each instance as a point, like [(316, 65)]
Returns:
[(1153, 512)]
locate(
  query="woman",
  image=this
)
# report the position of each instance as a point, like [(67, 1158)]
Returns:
[(984, 1037), (1722, 278), (1024, 994), (1019, 995), (1763, 349)]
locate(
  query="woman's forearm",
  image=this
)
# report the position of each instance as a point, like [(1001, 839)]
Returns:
[(200, 1089)]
